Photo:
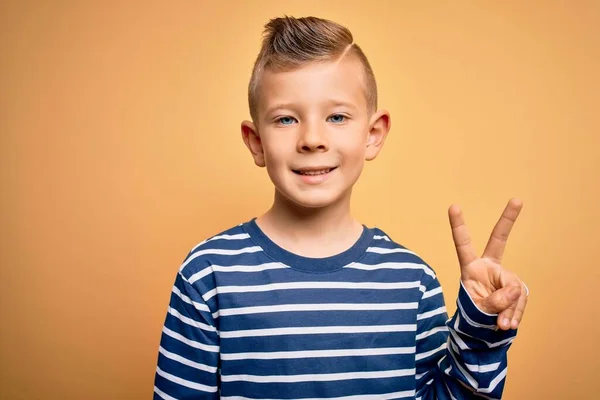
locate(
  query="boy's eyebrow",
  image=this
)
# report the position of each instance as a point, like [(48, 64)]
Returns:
[(278, 106), (343, 103), (331, 103)]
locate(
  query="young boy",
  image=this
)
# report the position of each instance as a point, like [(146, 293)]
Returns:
[(305, 302)]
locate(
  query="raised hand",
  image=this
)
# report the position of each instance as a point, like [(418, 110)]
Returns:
[(493, 288)]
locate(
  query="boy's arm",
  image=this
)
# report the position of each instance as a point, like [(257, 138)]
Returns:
[(189, 348), (463, 358), (491, 302)]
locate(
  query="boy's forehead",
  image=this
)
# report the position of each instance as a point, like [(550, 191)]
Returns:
[(315, 83)]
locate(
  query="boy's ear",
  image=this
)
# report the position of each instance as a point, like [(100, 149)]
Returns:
[(253, 142), (379, 127)]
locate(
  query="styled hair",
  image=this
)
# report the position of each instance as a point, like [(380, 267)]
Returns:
[(290, 43)]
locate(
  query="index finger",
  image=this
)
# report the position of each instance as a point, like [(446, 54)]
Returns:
[(462, 240), (497, 242)]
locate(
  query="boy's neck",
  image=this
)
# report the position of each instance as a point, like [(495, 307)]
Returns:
[(311, 232)]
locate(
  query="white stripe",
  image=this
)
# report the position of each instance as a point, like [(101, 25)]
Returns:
[(162, 394), (184, 382), (318, 307), (277, 355), (441, 360), (191, 343), (235, 268), (483, 368), (494, 382), (426, 354), (384, 396), (500, 343), (249, 268), (317, 330), (393, 265), (185, 361), (432, 292), (237, 236), (190, 321), (309, 285), (474, 384), (225, 252), (431, 313), (318, 377), (382, 250), (199, 275), (197, 306), (381, 237), (461, 343), (433, 331), (491, 345)]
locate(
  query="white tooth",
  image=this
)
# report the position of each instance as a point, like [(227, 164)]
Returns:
[(321, 172)]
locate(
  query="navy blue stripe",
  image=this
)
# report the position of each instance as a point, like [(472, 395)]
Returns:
[(302, 296), (318, 318), (318, 342)]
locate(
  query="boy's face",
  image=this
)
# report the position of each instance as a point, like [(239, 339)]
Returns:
[(314, 131)]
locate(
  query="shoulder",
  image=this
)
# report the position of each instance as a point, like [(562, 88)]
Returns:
[(227, 246), (385, 250)]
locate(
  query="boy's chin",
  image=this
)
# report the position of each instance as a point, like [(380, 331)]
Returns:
[(314, 201)]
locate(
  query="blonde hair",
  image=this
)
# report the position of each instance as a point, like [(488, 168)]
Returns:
[(290, 42)]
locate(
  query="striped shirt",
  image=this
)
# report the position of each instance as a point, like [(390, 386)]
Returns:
[(249, 320)]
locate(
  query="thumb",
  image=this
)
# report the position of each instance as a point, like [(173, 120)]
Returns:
[(501, 299)]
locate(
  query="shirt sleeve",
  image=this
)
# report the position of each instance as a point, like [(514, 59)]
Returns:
[(188, 354), (461, 358)]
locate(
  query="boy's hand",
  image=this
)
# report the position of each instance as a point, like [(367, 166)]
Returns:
[(493, 288)]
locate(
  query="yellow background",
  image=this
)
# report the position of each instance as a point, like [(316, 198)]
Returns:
[(120, 150)]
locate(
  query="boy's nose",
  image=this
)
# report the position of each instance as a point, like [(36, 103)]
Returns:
[(312, 139)]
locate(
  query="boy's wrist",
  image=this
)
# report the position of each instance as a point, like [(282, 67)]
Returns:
[(474, 322), (470, 310)]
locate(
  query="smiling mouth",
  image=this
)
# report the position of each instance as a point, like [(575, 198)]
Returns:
[(313, 172)]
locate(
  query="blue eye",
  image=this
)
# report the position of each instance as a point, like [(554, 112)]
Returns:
[(286, 120), (337, 118)]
